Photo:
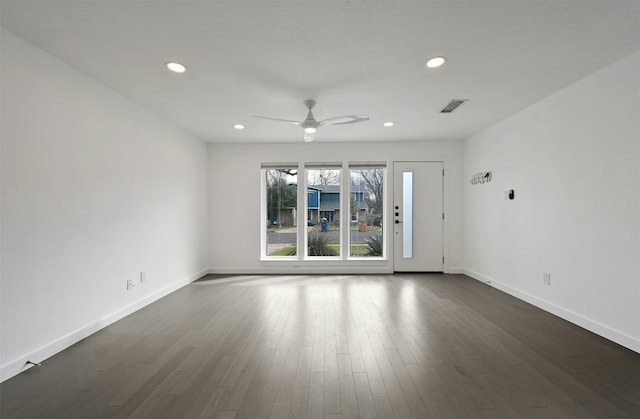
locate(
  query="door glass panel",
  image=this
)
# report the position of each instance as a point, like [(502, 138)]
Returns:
[(407, 215)]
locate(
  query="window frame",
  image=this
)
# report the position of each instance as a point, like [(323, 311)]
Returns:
[(302, 213)]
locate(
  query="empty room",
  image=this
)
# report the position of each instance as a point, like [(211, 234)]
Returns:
[(319, 209)]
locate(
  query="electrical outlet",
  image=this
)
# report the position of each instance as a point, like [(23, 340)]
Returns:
[(130, 284), (143, 277), (546, 278)]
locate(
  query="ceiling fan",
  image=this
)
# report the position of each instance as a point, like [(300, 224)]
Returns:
[(311, 125)]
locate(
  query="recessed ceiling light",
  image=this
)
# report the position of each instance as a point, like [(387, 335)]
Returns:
[(238, 126), (436, 62), (388, 124), (176, 67)]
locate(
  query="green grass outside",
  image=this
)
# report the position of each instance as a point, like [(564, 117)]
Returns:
[(285, 251), (356, 250)]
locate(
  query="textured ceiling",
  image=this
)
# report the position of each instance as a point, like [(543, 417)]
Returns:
[(366, 57)]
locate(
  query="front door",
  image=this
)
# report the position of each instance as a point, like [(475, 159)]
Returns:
[(418, 216)]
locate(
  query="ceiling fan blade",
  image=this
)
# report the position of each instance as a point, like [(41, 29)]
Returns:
[(343, 120), (278, 119)]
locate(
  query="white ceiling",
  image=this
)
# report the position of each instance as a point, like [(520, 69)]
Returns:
[(353, 57)]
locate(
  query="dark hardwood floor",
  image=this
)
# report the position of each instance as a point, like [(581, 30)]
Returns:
[(406, 346)]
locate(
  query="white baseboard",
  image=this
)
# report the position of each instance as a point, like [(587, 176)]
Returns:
[(454, 270), (600, 329), (18, 365), (302, 270)]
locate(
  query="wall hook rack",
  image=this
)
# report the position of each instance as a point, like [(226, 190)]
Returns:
[(481, 177)]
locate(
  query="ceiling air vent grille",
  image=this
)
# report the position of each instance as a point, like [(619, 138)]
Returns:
[(453, 105)]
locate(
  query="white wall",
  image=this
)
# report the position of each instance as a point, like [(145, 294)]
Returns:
[(94, 190), (234, 186), (573, 161)]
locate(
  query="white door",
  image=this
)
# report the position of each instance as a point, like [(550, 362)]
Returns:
[(418, 216)]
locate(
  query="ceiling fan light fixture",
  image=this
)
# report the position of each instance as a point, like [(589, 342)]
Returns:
[(176, 67), (388, 124), (436, 62), (311, 125)]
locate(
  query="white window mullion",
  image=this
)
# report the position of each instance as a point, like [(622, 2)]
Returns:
[(263, 213), (345, 211), (302, 217)]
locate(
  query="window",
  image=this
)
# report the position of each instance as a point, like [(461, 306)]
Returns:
[(334, 211), (366, 236), (281, 202), (323, 211)]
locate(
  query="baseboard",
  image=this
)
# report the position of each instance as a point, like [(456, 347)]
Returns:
[(454, 270), (600, 329), (302, 270), (18, 365)]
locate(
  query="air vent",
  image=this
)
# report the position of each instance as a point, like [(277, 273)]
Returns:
[(453, 105)]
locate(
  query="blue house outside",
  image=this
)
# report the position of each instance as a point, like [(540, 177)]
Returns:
[(324, 202), (313, 205)]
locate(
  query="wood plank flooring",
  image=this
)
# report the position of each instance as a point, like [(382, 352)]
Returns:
[(370, 346)]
